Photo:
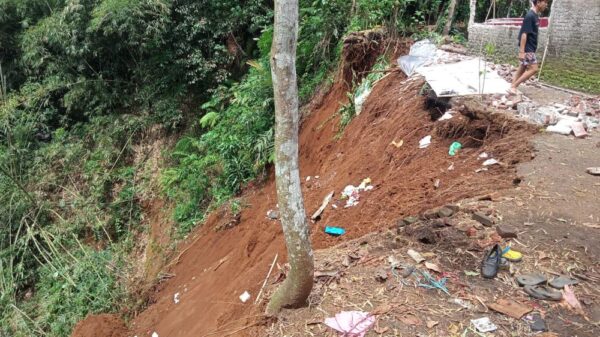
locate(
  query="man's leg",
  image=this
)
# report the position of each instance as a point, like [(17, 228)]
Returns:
[(531, 70), (518, 74)]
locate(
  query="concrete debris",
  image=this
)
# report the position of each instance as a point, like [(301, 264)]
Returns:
[(506, 232), (483, 219)]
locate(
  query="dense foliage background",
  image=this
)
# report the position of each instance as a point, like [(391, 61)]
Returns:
[(82, 84)]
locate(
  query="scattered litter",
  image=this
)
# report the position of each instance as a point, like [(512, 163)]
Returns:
[(436, 184), (351, 323), (308, 178), (471, 273), (425, 142), (415, 256), (481, 170), (490, 162), (512, 255), (536, 322), (335, 231), (451, 167), (433, 266), (571, 300), (454, 148), (510, 308), (352, 193), (245, 297), (595, 171), (563, 127), (326, 200), (462, 303), (154, 334), (398, 144), (446, 116), (484, 324), (273, 215), (176, 298), (421, 53), (432, 283), (483, 156)]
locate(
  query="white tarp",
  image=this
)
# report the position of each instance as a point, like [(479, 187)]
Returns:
[(463, 78)]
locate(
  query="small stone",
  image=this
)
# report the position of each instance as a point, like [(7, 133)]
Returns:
[(430, 214), (506, 232), (471, 232), (407, 221), (273, 215), (454, 208), (483, 219), (595, 171), (441, 223), (445, 212)]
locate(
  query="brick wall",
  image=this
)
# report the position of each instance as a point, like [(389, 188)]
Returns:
[(574, 36), (504, 38)]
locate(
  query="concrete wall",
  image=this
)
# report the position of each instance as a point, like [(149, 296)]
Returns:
[(575, 33), (574, 36), (504, 38)]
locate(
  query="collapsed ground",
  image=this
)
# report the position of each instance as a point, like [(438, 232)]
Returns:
[(230, 255)]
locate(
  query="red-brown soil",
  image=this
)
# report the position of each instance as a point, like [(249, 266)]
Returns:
[(104, 325), (215, 267)]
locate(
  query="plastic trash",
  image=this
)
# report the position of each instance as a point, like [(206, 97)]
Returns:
[(335, 231), (360, 99), (563, 127), (446, 116), (454, 148), (425, 142), (351, 323), (245, 297), (420, 54), (176, 298), (491, 162), (484, 324)]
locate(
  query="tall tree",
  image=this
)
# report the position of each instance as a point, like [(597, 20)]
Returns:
[(297, 287), (448, 25)]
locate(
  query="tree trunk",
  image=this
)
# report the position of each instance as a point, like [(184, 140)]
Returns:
[(448, 25), (472, 11), (297, 287)]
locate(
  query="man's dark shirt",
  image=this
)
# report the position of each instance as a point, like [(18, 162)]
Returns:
[(531, 25)]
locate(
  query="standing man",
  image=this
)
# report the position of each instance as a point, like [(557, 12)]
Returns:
[(528, 42)]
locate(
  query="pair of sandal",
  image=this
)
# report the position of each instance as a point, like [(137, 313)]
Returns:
[(536, 287)]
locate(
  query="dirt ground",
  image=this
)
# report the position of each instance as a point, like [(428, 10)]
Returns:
[(199, 289)]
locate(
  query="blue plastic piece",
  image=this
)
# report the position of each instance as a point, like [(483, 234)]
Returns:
[(335, 231)]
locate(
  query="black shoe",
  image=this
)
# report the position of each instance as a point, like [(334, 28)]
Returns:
[(491, 262)]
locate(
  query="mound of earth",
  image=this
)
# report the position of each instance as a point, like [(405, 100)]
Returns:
[(216, 266), (104, 325)]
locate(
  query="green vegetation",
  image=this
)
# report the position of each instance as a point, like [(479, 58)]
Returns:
[(85, 83), (573, 73)]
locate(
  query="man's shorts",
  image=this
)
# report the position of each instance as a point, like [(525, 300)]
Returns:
[(529, 59)]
